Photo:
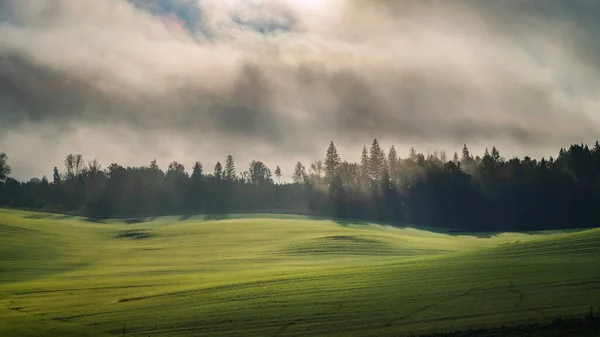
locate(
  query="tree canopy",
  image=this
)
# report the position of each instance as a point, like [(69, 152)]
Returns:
[(465, 193)]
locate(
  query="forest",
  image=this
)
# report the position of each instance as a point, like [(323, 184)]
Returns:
[(465, 192)]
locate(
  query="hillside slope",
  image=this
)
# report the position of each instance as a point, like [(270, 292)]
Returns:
[(281, 276)]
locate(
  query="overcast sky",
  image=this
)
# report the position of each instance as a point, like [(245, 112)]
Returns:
[(276, 80)]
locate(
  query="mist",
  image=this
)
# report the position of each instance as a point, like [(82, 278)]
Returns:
[(187, 80)]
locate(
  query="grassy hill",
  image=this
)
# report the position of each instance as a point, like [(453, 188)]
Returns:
[(281, 275)]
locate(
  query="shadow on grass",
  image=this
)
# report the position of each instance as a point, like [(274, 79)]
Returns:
[(481, 234), (133, 221), (126, 221), (95, 220), (48, 216), (558, 327), (344, 222), (185, 217), (217, 217), (38, 216), (205, 217), (134, 235)]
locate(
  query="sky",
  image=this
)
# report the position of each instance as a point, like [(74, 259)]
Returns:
[(128, 81)]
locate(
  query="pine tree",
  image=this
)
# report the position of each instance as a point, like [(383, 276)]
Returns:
[(4, 167), (278, 174), (364, 166), (496, 156), (218, 170), (197, 172), (487, 162), (392, 163), (465, 153), (412, 154), (56, 176), (332, 163), (467, 162), (443, 157), (229, 168), (376, 161)]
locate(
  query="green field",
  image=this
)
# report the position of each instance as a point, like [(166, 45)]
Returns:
[(286, 275)]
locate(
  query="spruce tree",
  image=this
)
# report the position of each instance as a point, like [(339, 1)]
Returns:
[(229, 172), (392, 163), (376, 161), (56, 176), (278, 174), (364, 166), (218, 170), (332, 163)]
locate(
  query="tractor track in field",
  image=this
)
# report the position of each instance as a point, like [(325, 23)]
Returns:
[(284, 327), (512, 289), (429, 306), (44, 291), (227, 287)]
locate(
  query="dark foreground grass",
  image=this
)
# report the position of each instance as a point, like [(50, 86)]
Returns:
[(283, 276), (588, 326)]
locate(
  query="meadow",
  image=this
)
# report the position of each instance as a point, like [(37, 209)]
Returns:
[(272, 275)]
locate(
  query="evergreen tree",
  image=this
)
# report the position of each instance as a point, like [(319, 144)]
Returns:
[(278, 174), (332, 163), (229, 168), (56, 176), (4, 167), (412, 154), (376, 161), (218, 170), (496, 156), (466, 155), (197, 172), (364, 166), (443, 157), (196, 191), (393, 165), (487, 162), (467, 162)]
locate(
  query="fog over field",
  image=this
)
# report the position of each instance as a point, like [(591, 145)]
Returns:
[(128, 81)]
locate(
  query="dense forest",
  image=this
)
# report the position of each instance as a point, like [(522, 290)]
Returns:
[(465, 192)]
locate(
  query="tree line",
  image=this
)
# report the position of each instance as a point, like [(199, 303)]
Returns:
[(465, 192)]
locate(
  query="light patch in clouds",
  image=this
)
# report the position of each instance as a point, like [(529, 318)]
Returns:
[(128, 81)]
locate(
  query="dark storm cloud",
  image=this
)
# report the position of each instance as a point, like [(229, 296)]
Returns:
[(275, 79)]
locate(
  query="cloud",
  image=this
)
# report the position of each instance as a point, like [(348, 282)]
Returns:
[(276, 80)]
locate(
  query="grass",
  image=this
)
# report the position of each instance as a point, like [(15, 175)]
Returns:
[(288, 275)]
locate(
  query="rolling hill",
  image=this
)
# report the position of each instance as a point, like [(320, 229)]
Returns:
[(281, 275)]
